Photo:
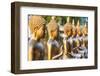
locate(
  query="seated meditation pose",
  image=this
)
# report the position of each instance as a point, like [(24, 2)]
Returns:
[(85, 40), (36, 49), (52, 44), (67, 40), (74, 35), (74, 39), (79, 41)]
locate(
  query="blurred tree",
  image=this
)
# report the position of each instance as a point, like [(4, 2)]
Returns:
[(47, 18)]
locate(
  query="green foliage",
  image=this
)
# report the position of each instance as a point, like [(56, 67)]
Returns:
[(61, 20)]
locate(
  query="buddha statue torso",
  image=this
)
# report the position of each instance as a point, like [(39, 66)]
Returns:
[(38, 49), (55, 47), (68, 46)]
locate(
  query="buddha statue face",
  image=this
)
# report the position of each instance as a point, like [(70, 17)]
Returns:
[(69, 33), (68, 27), (68, 30), (54, 33), (40, 32), (85, 32), (52, 28), (79, 33)]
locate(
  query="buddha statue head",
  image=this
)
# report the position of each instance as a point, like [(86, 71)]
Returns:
[(52, 27), (36, 25), (68, 28), (85, 29)]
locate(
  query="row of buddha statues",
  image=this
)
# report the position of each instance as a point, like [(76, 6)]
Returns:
[(73, 44)]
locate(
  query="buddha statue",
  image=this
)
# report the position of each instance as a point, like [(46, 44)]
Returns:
[(76, 42), (85, 36), (67, 41), (36, 47), (79, 34), (52, 44), (74, 35)]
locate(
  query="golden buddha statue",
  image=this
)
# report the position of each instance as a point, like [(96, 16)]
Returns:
[(85, 30), (52, 44), (68, 28), (76, 42), (79, 34), (67, 41), (85, 35), (74, 35), (36, 47)]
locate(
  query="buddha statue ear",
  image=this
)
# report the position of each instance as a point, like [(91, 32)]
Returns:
[(35, 32)]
